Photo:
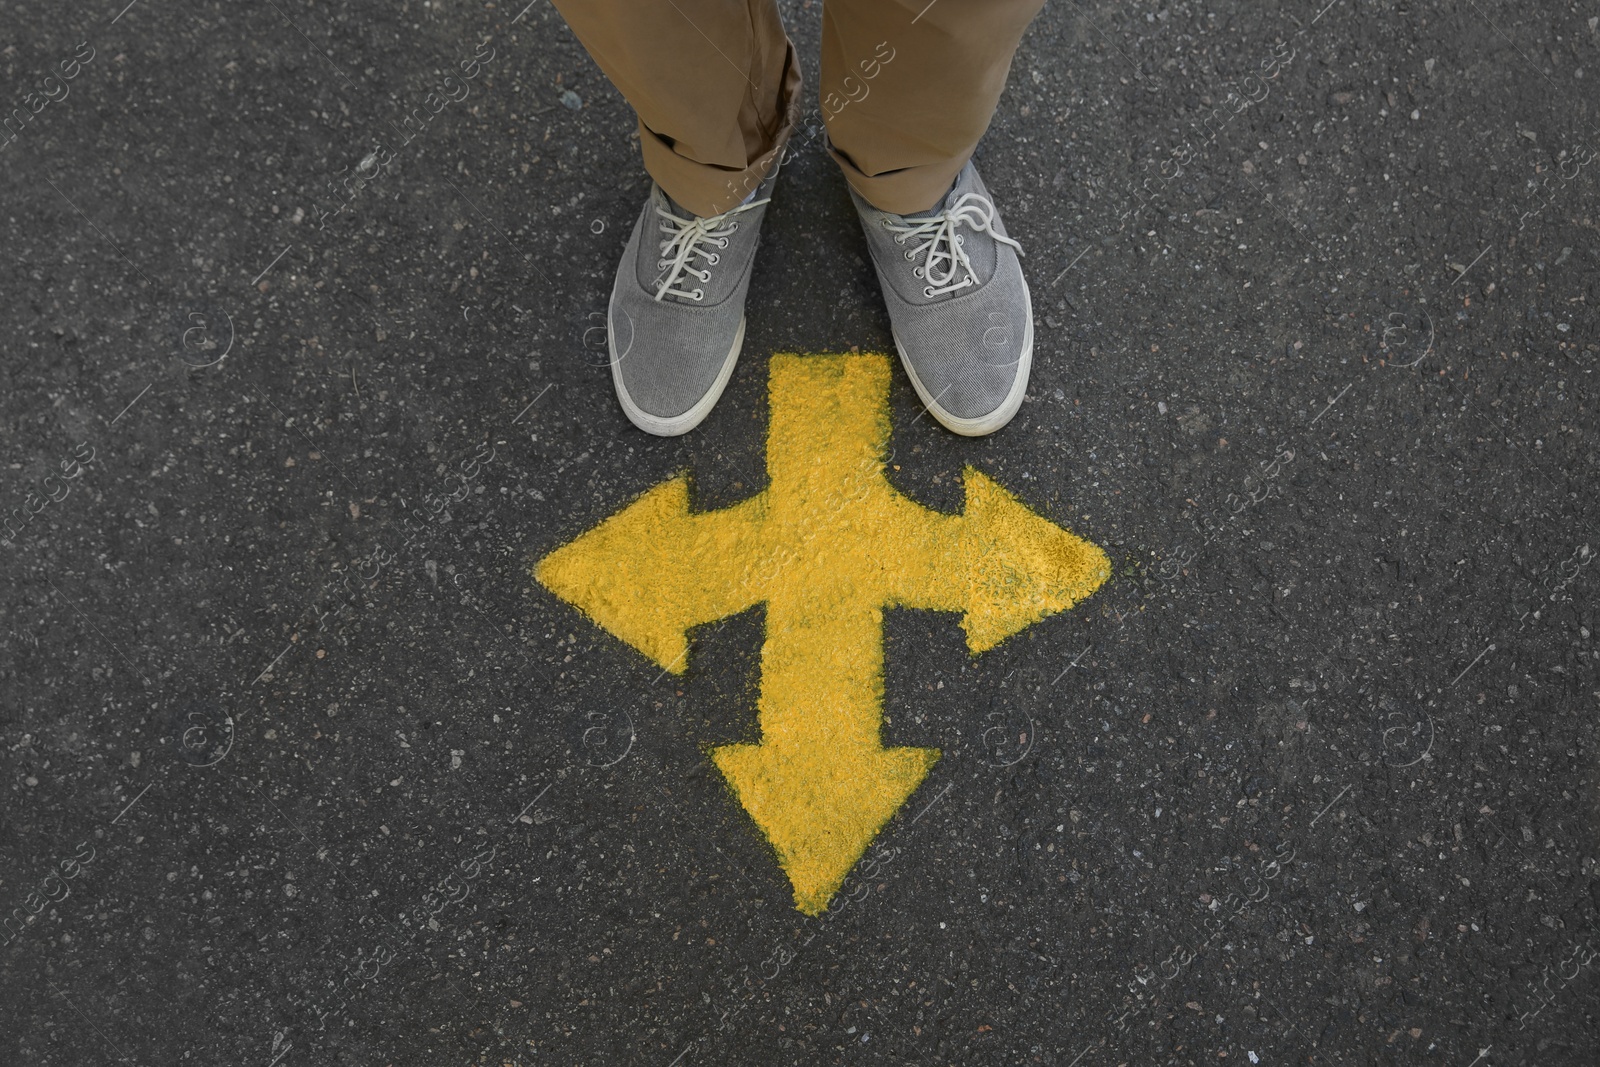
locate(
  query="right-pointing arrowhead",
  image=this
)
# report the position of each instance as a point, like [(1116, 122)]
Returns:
[(1020, 567)]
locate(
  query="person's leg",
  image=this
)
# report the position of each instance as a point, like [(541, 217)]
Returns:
[(713, 82), (908, 89)]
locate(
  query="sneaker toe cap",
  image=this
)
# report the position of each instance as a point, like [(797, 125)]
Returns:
[(968, 352), (668, 359)]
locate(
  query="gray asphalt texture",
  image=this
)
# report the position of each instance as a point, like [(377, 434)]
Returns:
[(300, 766)]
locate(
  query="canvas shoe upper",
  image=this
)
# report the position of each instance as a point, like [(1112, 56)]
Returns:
[(676, 319), (958, 304)]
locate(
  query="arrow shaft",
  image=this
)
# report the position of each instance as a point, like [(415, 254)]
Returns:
[(822, 676), (820, 783)]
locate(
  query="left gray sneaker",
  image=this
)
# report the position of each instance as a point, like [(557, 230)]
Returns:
[(675, 324), (958, 305)]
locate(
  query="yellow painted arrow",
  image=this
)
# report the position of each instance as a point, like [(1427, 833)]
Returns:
[(826, 546)]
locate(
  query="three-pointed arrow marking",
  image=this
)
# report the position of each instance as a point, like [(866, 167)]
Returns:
[(826, 546)]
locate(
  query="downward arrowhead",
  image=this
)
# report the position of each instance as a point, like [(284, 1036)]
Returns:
[(1021, 567), (821, 807)]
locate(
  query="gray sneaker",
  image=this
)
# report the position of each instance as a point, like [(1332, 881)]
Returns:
[(676, 321), (958, 305)]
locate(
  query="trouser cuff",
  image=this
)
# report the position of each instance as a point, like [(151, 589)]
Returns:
[(710, 190)]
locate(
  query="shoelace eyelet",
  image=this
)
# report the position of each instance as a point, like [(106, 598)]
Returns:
[(900, 240), (927, 290), (908, 254), (692, 238), (917, 273)]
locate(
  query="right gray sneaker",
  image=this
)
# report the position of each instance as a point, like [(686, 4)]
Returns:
[(676, 321), (958, 304)]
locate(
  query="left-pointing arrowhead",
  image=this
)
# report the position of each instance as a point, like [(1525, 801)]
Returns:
[(1020, 567), (652, 570), (821, 805)]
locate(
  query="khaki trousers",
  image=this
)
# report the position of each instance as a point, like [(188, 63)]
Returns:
[(907, 89)]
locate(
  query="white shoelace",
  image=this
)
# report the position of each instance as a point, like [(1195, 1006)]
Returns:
[(687, 238), (943, 244)]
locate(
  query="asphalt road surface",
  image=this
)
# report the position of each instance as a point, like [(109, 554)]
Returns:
[(304, 765)]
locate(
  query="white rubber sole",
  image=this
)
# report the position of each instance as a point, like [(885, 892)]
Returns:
[(983, 424), (678, 424)]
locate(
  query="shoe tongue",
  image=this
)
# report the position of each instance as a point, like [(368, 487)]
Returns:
[(966, 182), (675, 207), (684, 213), (962, 184), (981, 249)]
